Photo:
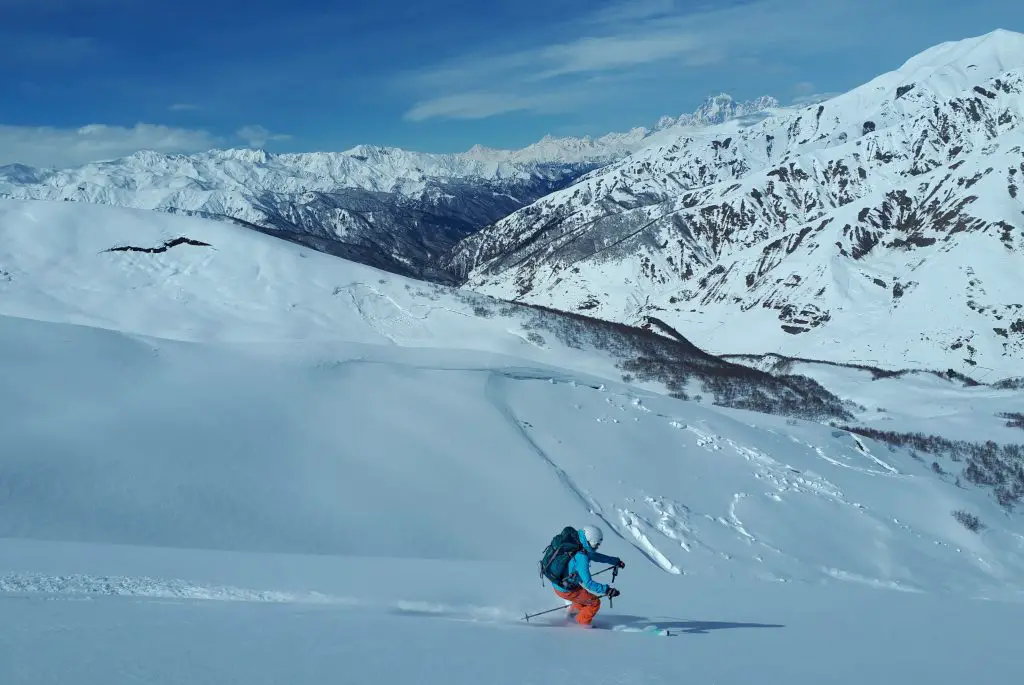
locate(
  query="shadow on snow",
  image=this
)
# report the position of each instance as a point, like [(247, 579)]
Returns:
[(675, 625)]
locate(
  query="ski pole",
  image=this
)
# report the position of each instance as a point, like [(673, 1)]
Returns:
[(527, 617), (613, 569)]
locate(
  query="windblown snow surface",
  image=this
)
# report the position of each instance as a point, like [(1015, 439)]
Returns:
[(229, 459)]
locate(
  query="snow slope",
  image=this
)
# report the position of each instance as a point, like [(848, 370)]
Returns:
[(914, 401), (830, 232), (378, 451), (209, 632), (216, 468), (223, 289)]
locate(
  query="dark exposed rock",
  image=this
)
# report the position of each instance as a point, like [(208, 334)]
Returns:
[(162, 248)]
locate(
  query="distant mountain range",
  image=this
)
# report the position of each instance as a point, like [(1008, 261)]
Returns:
[(391, 208)]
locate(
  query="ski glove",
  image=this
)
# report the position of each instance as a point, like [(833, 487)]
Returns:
[(621, 564), (612, 592)]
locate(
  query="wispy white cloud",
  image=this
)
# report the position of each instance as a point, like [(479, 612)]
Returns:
[(183, 107), (641, 39), (46, 146), (483, 104), (258, 136), (806, 93), (813, 98), (633, 10), (595, 55)]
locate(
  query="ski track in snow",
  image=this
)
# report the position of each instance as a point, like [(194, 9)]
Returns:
[(80, 587), (153, 588), (886, 469), (383, 314), (641, 542), (496, 397), (734, 519), (92, 587), (466, 613), (839, 574)]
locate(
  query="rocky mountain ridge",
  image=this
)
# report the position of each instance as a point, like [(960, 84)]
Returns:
[(838, 231)]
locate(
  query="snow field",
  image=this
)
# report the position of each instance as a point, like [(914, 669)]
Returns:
[(218, 469)]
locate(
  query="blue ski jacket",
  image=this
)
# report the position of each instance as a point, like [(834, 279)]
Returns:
[(579, 566)]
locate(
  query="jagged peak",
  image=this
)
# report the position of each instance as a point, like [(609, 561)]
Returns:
[(246, 154), (718, 108), (365, 150), (147, 156), (720, 97)]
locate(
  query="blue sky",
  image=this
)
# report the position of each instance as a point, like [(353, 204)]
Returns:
[(92, 79)]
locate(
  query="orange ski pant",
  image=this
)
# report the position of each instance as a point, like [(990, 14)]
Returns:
[(584, 604)]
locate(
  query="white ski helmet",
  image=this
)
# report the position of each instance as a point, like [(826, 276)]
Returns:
[(593, 535)]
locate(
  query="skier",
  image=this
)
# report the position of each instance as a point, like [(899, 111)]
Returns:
[(576, 584)]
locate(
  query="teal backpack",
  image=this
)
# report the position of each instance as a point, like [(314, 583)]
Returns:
[(554, 564)]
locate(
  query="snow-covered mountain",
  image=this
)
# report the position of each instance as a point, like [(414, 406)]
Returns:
[(387, 207), (721, 108), (838, 231), (229, 458), (395, 209)]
